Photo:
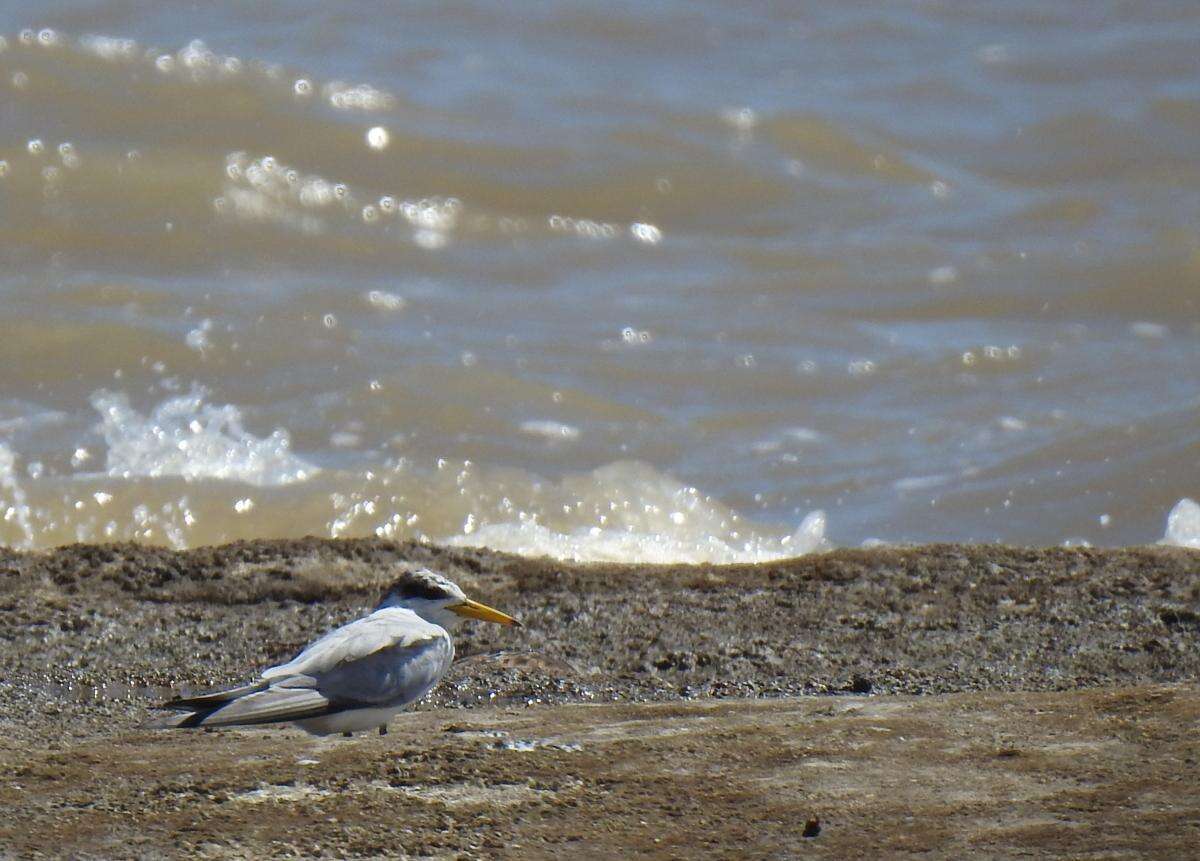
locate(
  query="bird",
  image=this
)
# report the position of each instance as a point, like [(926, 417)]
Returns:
[(355, 677)]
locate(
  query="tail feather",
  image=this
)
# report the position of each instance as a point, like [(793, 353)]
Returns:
[(214, 699), (176, 721), (268, 705)]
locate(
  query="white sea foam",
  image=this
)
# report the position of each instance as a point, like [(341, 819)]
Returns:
[(623, 512), (186, 437), (629, 512), (1183, 525), (529, 538)]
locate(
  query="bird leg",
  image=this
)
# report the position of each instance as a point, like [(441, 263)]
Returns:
[(383, 729)]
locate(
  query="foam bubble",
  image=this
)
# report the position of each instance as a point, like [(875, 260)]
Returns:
[(941, 275), (430, 240), (647, 234), (69, 155), (742, 119), (378, 138), (550, 430), (385, 301), (197, 339), (1149, 331), (109, 48), (915, 483), (361, 97)]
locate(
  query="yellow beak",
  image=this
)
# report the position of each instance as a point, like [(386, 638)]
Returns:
[(475, 610)]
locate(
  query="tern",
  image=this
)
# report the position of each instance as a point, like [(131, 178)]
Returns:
[(357, 676)]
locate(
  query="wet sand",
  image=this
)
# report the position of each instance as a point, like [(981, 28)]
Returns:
[(942, 701)]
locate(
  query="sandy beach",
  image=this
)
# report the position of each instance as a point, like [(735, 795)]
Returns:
[(938, 700)]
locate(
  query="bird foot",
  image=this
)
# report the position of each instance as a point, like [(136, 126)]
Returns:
[(383, 729)]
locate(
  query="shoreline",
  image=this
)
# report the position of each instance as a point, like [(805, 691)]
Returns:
[(965, 640)]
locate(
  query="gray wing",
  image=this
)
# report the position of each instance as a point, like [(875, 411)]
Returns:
[(392, 676)]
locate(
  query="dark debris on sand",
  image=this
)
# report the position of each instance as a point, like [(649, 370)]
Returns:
[(883, 621)]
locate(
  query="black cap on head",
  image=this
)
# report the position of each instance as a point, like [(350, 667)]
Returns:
[(421, 583)]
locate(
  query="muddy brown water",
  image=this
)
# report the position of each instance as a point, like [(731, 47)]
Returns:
[(930, 267)]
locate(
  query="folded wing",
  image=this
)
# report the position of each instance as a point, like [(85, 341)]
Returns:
[(391, 627)]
